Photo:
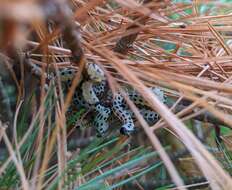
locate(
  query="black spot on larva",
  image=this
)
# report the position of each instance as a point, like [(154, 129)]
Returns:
[(140, 100), (100, 117), (70, 72), (116, 107), (119, 99), (123, 105)]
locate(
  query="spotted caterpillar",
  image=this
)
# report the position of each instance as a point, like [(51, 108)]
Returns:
[(92, 93)]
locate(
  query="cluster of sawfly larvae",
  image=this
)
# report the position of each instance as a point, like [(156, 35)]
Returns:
[(93, 94)]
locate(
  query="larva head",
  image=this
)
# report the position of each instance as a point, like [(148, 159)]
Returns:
[(127, 129), (95, 72)]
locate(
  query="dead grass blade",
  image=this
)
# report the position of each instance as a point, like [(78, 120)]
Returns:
[(204, 159)]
